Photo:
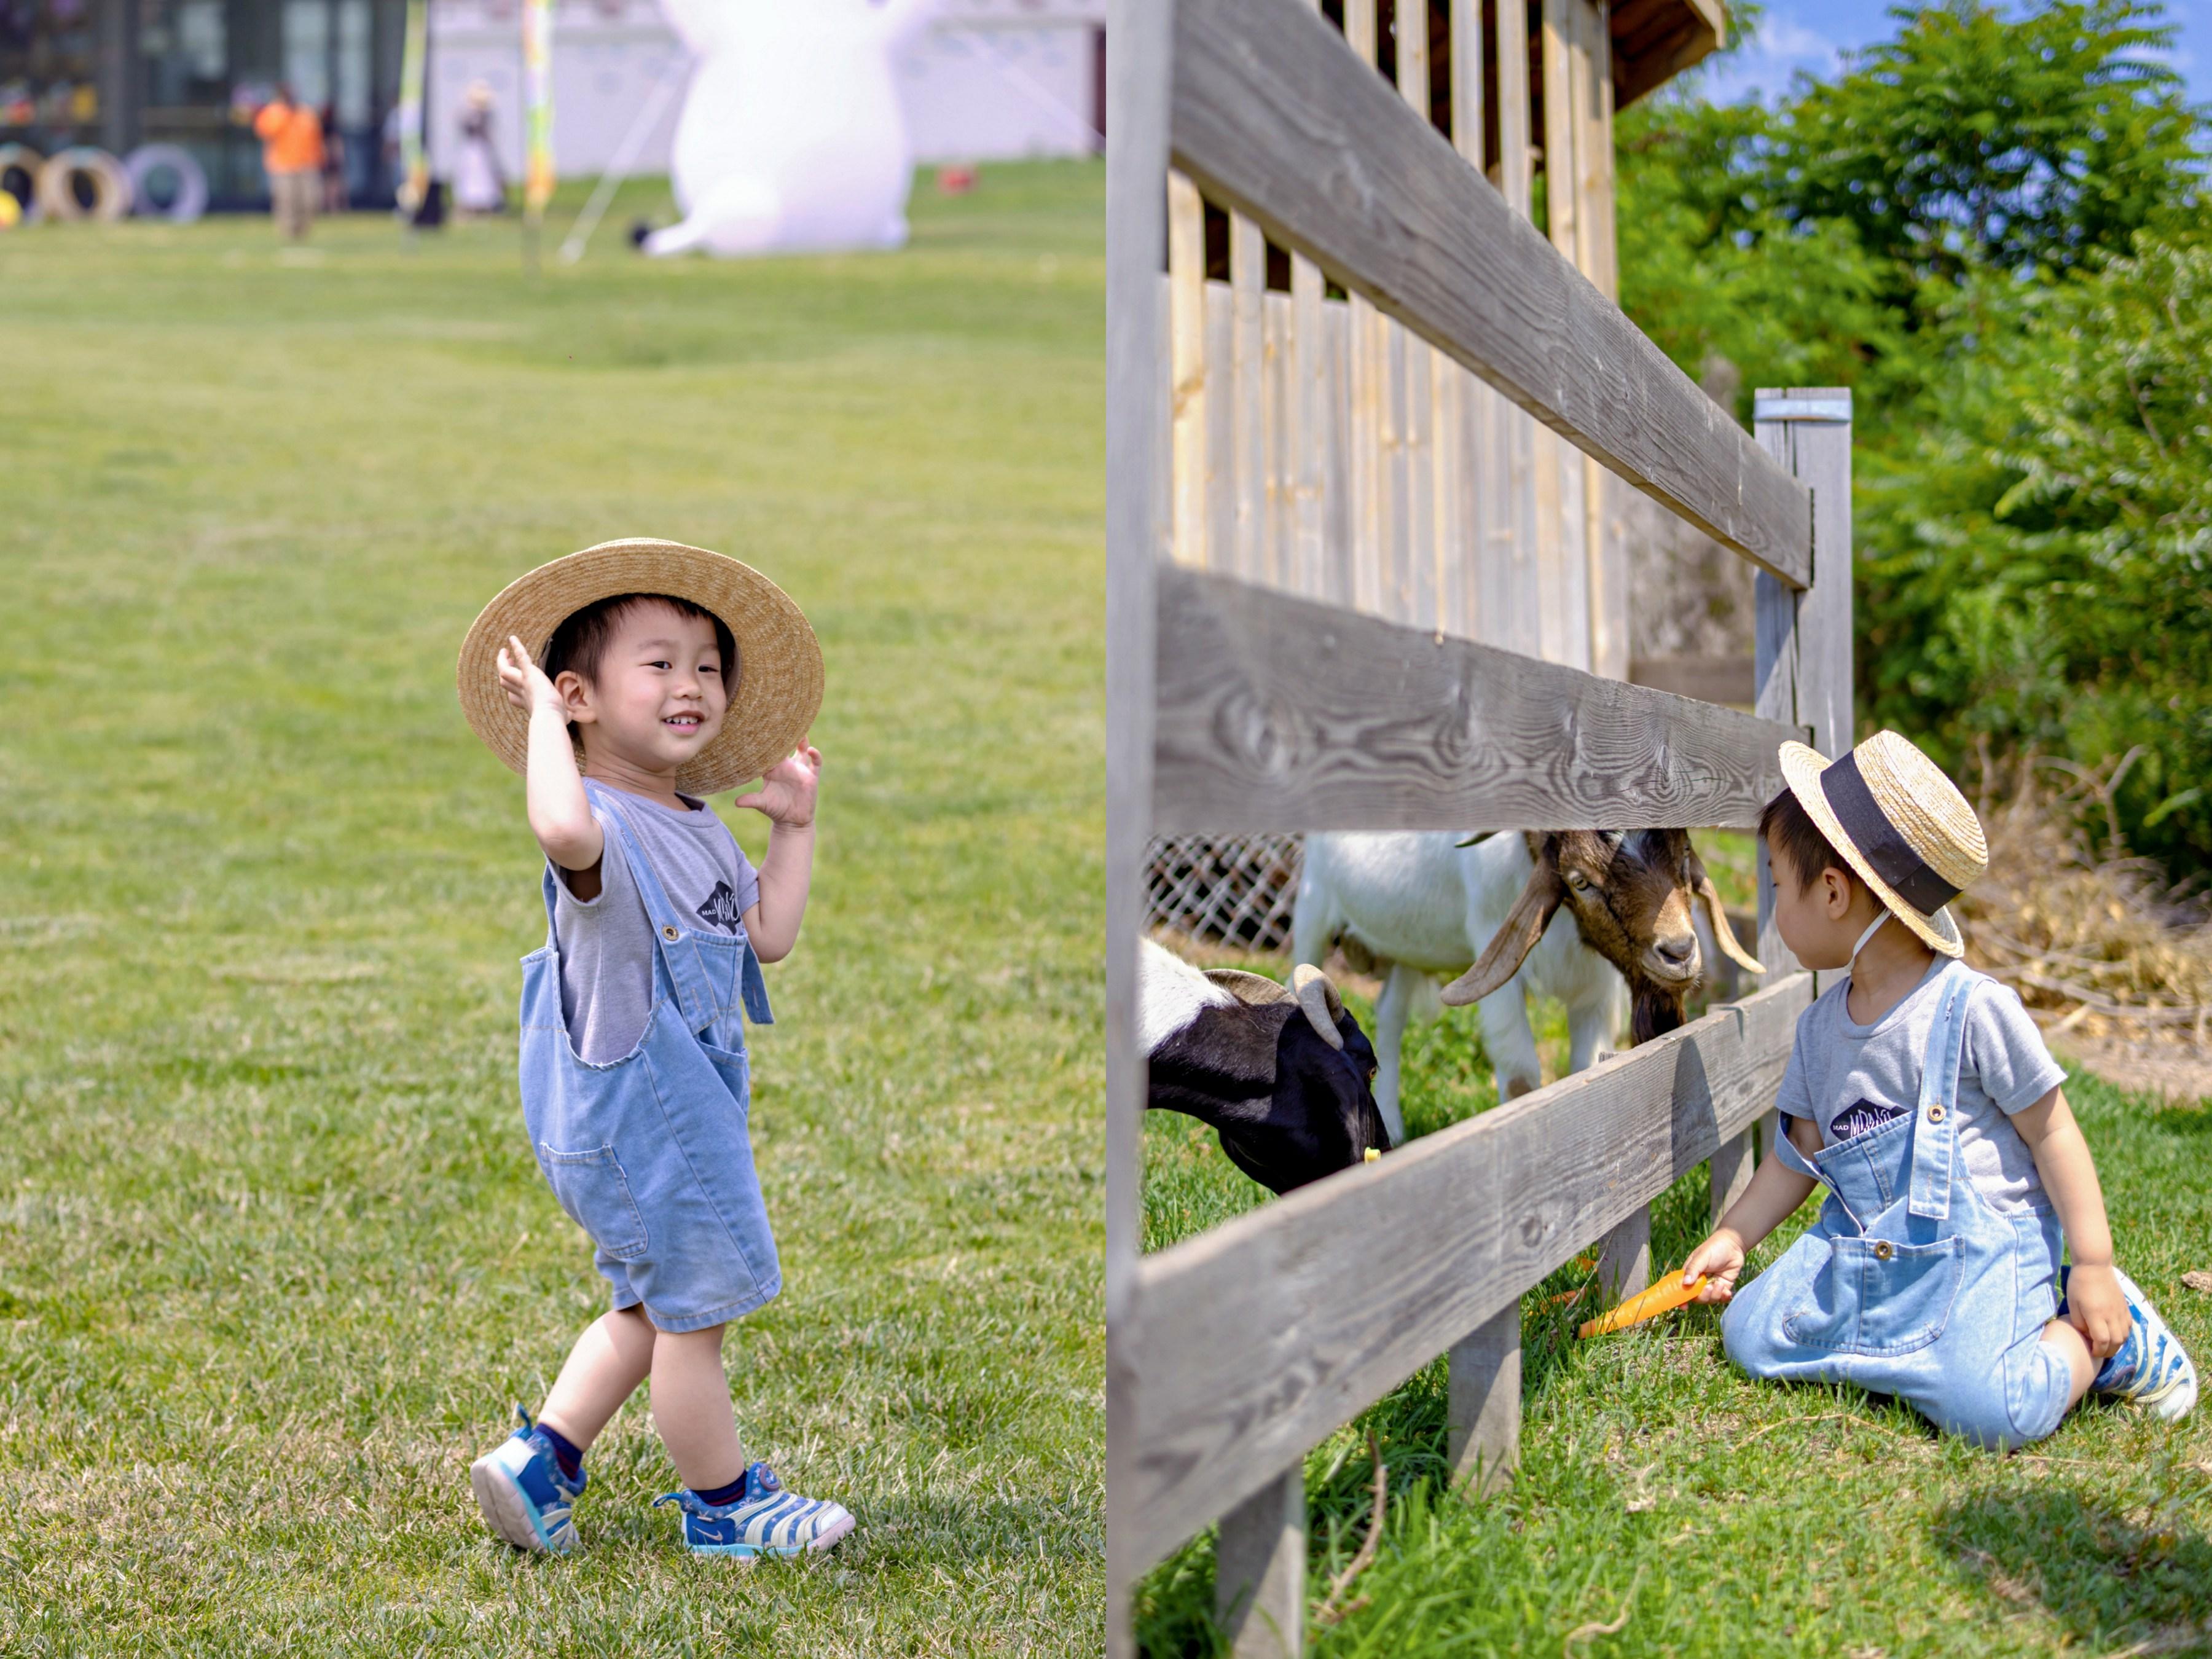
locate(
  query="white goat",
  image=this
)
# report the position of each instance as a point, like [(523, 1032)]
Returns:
[(1562, 914)]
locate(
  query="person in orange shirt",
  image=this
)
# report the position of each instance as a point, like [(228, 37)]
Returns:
[(291, 135)]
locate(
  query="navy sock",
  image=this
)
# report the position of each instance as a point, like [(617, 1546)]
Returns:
[(566, 1452), (718, 1496)]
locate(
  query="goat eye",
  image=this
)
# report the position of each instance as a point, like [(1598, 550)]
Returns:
[(1579, 882)]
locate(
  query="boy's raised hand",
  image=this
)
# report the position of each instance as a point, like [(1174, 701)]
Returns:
[(787, 789), (1720, 1258), (527, 688)]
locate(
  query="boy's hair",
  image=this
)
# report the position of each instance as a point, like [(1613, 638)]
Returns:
[(580, 642), (1785, 823)]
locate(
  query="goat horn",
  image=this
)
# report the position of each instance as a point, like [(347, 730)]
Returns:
[(1317, 996), (1509, 947), (1725, 935)]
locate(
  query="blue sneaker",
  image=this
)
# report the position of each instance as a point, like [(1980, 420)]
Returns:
[(524, 1496), (2150, 1370), (764, 1519)]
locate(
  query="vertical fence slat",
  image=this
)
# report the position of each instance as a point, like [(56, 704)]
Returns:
[(1482, 1440), (1248, 463), (1278, 423), (1461, 445), (1187, 346), (1518, 590), (1591, 63), (1139, 519), (1310, 434), (1419, 534), (1364, 388), (1260, 1571)]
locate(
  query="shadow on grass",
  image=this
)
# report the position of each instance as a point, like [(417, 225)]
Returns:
[(2141, 1578)]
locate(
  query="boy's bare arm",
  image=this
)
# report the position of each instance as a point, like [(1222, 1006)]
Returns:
[(560, 813), (787, 795), (2095, 1305), (1775, 1192)]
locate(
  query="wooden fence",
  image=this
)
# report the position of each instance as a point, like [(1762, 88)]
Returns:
[(1246, 695)]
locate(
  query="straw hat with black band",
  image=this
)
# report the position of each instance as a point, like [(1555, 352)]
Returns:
[(776, 685), (1900, 824)]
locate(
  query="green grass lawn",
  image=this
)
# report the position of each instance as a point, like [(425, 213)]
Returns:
[(1720, 1516), (275, 1257)]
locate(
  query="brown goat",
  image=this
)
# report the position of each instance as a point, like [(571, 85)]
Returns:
[(1629, 893)]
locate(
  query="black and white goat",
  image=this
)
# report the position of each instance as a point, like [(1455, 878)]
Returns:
[(1283, 1074), (1584, 916)]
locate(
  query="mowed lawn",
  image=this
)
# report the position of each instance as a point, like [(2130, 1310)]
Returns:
[(275, 1258), (1667, 1505)]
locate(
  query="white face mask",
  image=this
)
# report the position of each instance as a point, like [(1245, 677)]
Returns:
[(1873, 928)]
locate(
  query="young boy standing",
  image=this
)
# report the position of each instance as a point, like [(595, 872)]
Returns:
[(668, 673), (1920, 1095)]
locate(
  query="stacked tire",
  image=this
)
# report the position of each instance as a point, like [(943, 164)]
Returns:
[(83, 182)]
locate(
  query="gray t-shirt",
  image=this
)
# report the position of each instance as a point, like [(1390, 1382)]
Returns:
[(607, 944), (1847, 1078)]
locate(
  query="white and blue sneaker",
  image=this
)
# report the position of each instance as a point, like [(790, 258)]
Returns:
[(524, 1496), (762, 1520), (2150, 1370)]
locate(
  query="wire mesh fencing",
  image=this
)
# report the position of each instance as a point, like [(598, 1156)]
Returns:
[(1235, 890)]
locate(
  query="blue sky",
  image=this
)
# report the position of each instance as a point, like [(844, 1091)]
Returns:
[(1808, 34)]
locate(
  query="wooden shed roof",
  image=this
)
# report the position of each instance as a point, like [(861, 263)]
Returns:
[(1654, 40)]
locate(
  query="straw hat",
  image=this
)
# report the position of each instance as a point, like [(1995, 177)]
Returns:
[(774, 693), (1900, 823)]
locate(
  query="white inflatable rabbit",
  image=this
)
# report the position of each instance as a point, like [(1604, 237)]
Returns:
[(792, 137)]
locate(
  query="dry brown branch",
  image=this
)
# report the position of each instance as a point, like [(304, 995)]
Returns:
[(1330, 1611), (2100, 940)]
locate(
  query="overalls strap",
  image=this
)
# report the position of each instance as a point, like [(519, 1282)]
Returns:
[(1935, 1129), (676, 944)]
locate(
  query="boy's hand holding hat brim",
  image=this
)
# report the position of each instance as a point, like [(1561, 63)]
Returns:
[(774, 693), (1901, 825)]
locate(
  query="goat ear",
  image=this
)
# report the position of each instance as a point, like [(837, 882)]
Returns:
[(1317, 998), (1717, 916), (1531, 914)]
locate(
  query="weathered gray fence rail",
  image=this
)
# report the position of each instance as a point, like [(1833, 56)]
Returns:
[(1233, 708)]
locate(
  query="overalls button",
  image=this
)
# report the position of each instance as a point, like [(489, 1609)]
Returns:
[(1882, 1252), (1935, 1113), (668, 932)]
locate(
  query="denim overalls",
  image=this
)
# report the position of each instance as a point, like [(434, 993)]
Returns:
[(649, 1153), (1909, 1284)]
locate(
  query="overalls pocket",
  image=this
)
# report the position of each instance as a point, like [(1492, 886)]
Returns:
[(594, 1191), (1876, 1296), (734, 1067)]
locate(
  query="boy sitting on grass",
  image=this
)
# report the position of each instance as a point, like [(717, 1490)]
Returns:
[(1919, 1093), (677, 673)]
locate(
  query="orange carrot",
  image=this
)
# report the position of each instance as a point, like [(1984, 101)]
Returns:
[(1669, 1294)]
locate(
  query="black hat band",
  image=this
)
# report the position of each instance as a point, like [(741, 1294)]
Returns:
[(1878, 840)]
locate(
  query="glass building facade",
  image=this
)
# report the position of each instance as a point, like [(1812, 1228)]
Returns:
[(120, 73)]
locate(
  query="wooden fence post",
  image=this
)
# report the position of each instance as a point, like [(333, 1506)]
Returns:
[(1623, 1261), (1259, 1570), (1483, 1403), (1802, 666), (1139, 518)]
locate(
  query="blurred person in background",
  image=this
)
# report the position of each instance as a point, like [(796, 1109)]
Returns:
[(291, 135), (336, 200), (479, 186)]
